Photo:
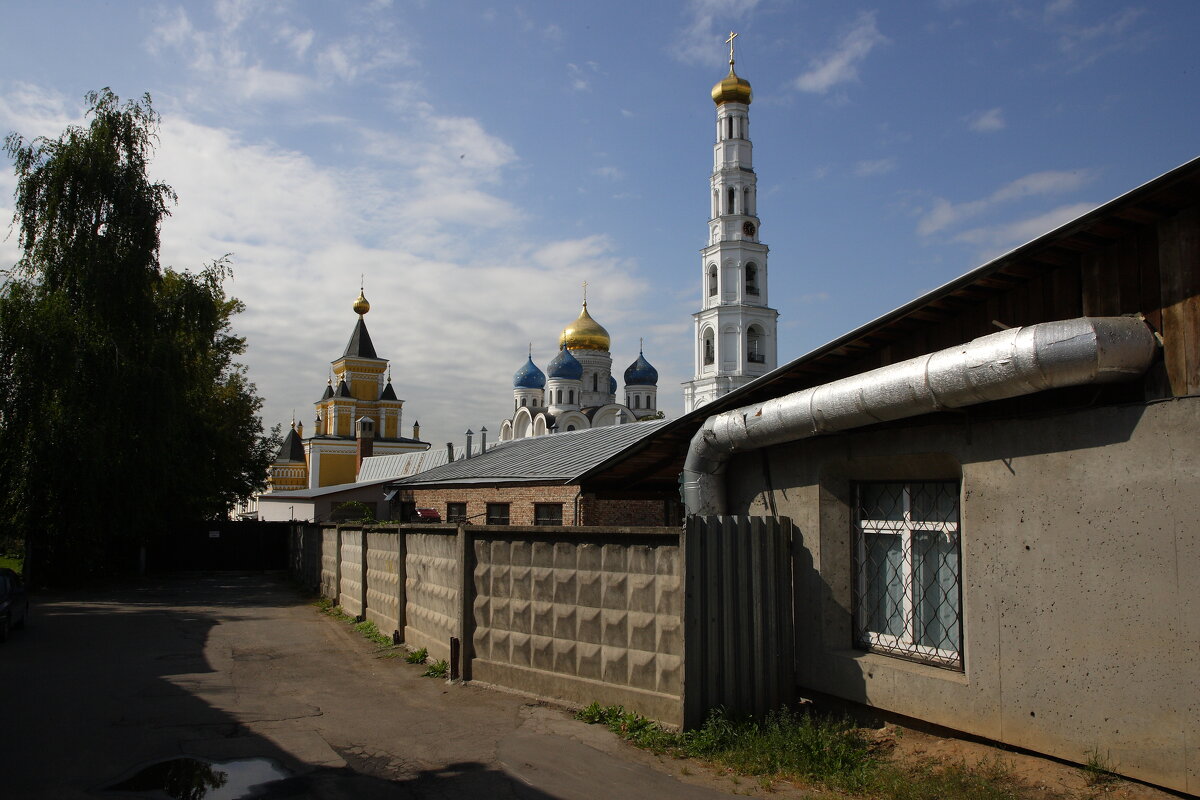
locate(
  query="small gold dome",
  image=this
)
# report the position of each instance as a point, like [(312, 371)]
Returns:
[(732, 89), (361, 306), (584, 334)]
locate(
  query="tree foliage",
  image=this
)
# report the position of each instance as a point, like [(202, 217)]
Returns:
[(123, 410)]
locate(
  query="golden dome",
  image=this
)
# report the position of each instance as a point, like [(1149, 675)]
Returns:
[(361, 306), (584, 334), (732, 89)]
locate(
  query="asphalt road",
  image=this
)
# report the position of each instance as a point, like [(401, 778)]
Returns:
[(239, 666)]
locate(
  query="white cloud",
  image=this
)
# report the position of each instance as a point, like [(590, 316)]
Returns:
[(609, 173), (1058, 8), (987, 121), (699, 41), (999, 239), (881, 166), (578, 79), (840, 64), (944, 214)]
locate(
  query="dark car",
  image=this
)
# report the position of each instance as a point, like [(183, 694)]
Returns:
[(14, 602)]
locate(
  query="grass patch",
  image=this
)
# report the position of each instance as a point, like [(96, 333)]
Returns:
[(809, 749), (418, 656), (438, 669), (1097, 770), (372, 632)]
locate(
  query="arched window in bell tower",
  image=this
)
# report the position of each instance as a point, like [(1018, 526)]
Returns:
[(755, 352), (709, 349), (752, 278), (730, 207), (712, 280)]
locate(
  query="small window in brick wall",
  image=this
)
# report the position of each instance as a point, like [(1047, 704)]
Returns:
[(456, 512), (547, 513), (497, 513)]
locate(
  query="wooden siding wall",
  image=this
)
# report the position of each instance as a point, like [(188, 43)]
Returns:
[(1151, 268)]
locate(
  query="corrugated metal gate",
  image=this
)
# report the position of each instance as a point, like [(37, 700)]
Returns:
[(738, 632)]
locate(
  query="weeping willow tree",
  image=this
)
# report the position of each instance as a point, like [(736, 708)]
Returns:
[(123, 410)]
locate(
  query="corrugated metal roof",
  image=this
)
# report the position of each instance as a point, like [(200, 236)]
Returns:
[(400, 465), (557, 457)]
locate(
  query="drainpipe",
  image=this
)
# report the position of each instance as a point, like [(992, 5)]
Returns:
[(1013, 362)]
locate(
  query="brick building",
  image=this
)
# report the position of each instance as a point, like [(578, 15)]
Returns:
[(545, 480)]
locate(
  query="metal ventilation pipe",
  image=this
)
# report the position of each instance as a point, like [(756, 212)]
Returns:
[(1010, 363)]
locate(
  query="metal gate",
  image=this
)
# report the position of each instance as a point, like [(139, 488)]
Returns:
[(738, 631)]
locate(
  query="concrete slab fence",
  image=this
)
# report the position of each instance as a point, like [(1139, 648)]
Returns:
[(668, 622)]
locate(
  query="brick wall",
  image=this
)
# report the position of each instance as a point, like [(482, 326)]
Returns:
[(578, 508)]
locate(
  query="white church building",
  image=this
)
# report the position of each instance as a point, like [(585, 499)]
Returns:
[(578, 390)]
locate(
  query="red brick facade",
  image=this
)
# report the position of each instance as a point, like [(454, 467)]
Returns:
[(578, 507)]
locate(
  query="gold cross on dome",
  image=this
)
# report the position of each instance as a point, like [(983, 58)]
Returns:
[(585, 293), (729, 42)]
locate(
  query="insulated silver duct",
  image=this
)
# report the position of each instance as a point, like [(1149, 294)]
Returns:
[(1010, 363)]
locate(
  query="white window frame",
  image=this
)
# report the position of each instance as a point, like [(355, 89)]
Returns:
[(905, 645)]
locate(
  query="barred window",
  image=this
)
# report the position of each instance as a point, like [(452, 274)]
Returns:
[(497, 513), (909, 589), (547, 514), (456, 512)]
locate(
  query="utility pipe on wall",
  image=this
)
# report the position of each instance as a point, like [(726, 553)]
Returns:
[(1013, 362)]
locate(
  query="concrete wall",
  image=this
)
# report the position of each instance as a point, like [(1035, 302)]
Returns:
[(580, 617), (433, 576), (1080, 577), (351, 587), (385, 580), (567, 614), (330, 561)]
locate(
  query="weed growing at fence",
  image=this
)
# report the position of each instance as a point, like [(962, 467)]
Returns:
[(1097, 770), (804, 747), (369, 630), (437, 669), (418, 656)]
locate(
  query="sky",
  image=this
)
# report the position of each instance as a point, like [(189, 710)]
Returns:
[(474, 163)]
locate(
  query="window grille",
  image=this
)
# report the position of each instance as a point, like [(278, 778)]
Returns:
[(497, 513), (547, 514), (456, 512), (908, 574)]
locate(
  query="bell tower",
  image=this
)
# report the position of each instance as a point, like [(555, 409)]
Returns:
[(735, 329)]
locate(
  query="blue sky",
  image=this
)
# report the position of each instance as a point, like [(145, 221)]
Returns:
[(477, 162)]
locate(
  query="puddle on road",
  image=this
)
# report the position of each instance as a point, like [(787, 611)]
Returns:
[(194, 779)]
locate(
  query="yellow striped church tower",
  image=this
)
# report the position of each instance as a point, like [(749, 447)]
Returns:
[(358, 416)]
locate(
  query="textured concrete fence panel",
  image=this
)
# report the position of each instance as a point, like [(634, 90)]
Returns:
[(433, 577), (350, 596), (385, 549), (580, 617), (330, 583), (664, 622)]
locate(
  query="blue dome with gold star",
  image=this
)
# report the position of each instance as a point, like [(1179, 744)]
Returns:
[(641, 373), (529, 376), (566, 366)]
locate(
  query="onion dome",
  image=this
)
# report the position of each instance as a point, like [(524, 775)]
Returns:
[(565, 366), (641, 373), (612, 385), (361, 306), (732, 89), (529, 376), (584, 333)]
